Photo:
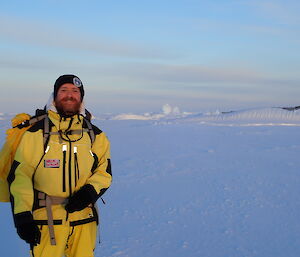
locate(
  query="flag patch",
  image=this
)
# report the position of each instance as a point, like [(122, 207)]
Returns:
[(51, 163)]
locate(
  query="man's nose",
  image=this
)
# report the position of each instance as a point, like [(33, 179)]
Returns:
[(70, 93)]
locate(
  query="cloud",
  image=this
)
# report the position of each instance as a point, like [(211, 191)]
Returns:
[(157, 75), (50, 36), (196, 74)]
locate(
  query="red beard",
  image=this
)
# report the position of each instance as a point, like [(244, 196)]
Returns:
[(68, 106)]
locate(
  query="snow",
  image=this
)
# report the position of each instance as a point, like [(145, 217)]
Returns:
[(167, 112), (252, 117), (196, 184)]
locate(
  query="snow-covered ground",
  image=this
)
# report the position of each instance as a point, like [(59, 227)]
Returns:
[(196, 185)]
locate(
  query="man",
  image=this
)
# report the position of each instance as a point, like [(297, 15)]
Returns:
[(61, 167)]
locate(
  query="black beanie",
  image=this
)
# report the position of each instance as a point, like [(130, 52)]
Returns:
[(68, 78)]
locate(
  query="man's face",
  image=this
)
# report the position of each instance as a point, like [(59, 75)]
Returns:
[(68, 99)]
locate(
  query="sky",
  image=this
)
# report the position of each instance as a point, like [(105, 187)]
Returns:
[(136, 56)]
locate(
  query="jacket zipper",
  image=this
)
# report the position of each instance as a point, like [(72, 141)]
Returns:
[(70, 170), (64, 147), (76, 165)]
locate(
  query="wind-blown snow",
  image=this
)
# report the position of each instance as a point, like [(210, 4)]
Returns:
[(261, 116), (189, 185), (253, 117)]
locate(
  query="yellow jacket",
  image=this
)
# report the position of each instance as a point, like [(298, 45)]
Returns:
[(69, 162)]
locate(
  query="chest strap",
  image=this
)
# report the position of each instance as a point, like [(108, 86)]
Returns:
[(47, 132), (70, 132), (47, 201)]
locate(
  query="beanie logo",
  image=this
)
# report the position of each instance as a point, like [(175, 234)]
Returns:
[(77, 82)]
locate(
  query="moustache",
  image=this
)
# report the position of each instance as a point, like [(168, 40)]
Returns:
[(69, 99)]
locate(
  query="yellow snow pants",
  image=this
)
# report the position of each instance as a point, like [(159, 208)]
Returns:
[(71, 241)]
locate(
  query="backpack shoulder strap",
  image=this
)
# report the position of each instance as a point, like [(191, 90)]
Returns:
[(39, 116), (87, 118), (46, 131), (90, 130)]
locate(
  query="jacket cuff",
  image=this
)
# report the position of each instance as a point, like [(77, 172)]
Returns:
[(22, 218)]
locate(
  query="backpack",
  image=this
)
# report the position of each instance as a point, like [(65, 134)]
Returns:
[(20, 124)]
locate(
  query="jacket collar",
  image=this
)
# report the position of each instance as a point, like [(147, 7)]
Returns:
[(74, 122)]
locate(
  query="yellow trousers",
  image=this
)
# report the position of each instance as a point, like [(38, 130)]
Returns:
[(71, 241)]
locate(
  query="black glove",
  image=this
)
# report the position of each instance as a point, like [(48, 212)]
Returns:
[(26, 228), (81, 199)]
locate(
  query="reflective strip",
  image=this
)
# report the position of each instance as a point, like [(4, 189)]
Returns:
[(47, 149)]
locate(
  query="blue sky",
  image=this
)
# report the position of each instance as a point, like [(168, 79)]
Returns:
[(135, 56)]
